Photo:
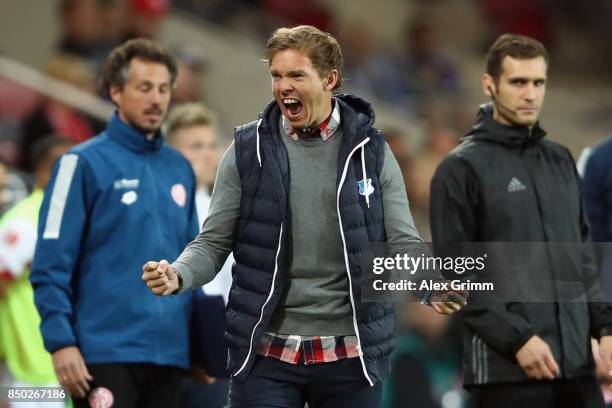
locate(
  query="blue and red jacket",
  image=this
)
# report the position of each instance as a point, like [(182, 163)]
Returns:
[(112, 204)]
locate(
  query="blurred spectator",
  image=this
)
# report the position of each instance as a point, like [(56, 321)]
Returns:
[(371, 69), (191, 129), (305, 12), (594, 21), (13, 187), (440, 140), (16, 101), (426, 363), (191, 64), (81, 29), (146, 17), (3, 177), (243, 17), (427, 71), (420, 72), (53, 117), (114, 18), (399, 144), (532, 18), (21, 345)]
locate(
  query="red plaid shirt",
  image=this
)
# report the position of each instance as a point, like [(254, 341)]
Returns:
[(308, 349)]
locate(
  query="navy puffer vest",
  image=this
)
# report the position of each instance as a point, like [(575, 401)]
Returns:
[(261, 233)]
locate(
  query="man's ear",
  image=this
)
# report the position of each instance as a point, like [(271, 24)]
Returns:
[(488, 85), (329, 83), (115, 94)]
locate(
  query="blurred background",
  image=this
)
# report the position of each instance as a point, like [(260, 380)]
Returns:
[(418, 61)]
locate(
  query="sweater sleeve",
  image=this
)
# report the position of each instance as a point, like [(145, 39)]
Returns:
[(402, 235), (399, 223), (205, 255)]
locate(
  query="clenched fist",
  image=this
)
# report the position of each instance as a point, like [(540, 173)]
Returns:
[(160, 277)]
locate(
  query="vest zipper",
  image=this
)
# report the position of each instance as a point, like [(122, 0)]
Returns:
[(280, 236), (346, 260)]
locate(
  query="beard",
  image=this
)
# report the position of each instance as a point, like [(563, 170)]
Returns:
[(143, 126), (145, 129)]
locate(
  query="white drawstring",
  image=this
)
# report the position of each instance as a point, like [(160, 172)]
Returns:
[(258, 154), (365, 177)]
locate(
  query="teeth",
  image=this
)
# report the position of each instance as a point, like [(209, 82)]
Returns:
[(289, 101)]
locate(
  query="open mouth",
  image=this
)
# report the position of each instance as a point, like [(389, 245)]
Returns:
[(293, 107)]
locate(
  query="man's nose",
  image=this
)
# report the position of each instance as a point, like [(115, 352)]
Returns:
[(156, 97), (285, 85), (530, 92)]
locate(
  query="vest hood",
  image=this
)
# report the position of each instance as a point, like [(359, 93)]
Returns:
[(356, 112)]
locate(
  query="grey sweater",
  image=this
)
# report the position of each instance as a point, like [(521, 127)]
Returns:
[(315, 298)]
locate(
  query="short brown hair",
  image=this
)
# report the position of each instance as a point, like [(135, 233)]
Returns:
[(116, 67), (515, 46), (321, 48), (188, 115)]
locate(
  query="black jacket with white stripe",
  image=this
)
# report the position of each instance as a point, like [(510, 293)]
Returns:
[(509, 184)]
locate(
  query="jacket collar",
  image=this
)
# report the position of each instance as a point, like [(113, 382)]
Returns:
[(325, 130), (357, 116), (131, 137), (488, 129)]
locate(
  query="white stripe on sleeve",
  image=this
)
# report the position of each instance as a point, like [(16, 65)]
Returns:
[(57, 204)]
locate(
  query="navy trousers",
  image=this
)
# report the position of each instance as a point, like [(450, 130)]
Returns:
[(274, 383)]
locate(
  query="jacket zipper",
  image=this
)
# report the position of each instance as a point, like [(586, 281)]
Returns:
[(346, 260), (280, 235)]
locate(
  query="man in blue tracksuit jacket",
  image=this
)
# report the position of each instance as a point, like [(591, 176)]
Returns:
[(112, 203)]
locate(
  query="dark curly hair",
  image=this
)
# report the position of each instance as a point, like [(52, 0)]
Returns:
[(115, 71)]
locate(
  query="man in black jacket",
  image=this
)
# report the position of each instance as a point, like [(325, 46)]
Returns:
[(506, 183)]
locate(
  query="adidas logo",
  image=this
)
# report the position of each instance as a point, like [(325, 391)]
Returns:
[(515, 185)]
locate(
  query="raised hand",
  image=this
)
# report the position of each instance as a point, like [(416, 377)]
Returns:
[(160, 277)]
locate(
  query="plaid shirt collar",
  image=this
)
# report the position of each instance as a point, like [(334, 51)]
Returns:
[(327, 128)]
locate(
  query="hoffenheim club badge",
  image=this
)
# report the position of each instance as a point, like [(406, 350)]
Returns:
[(367, 189)]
